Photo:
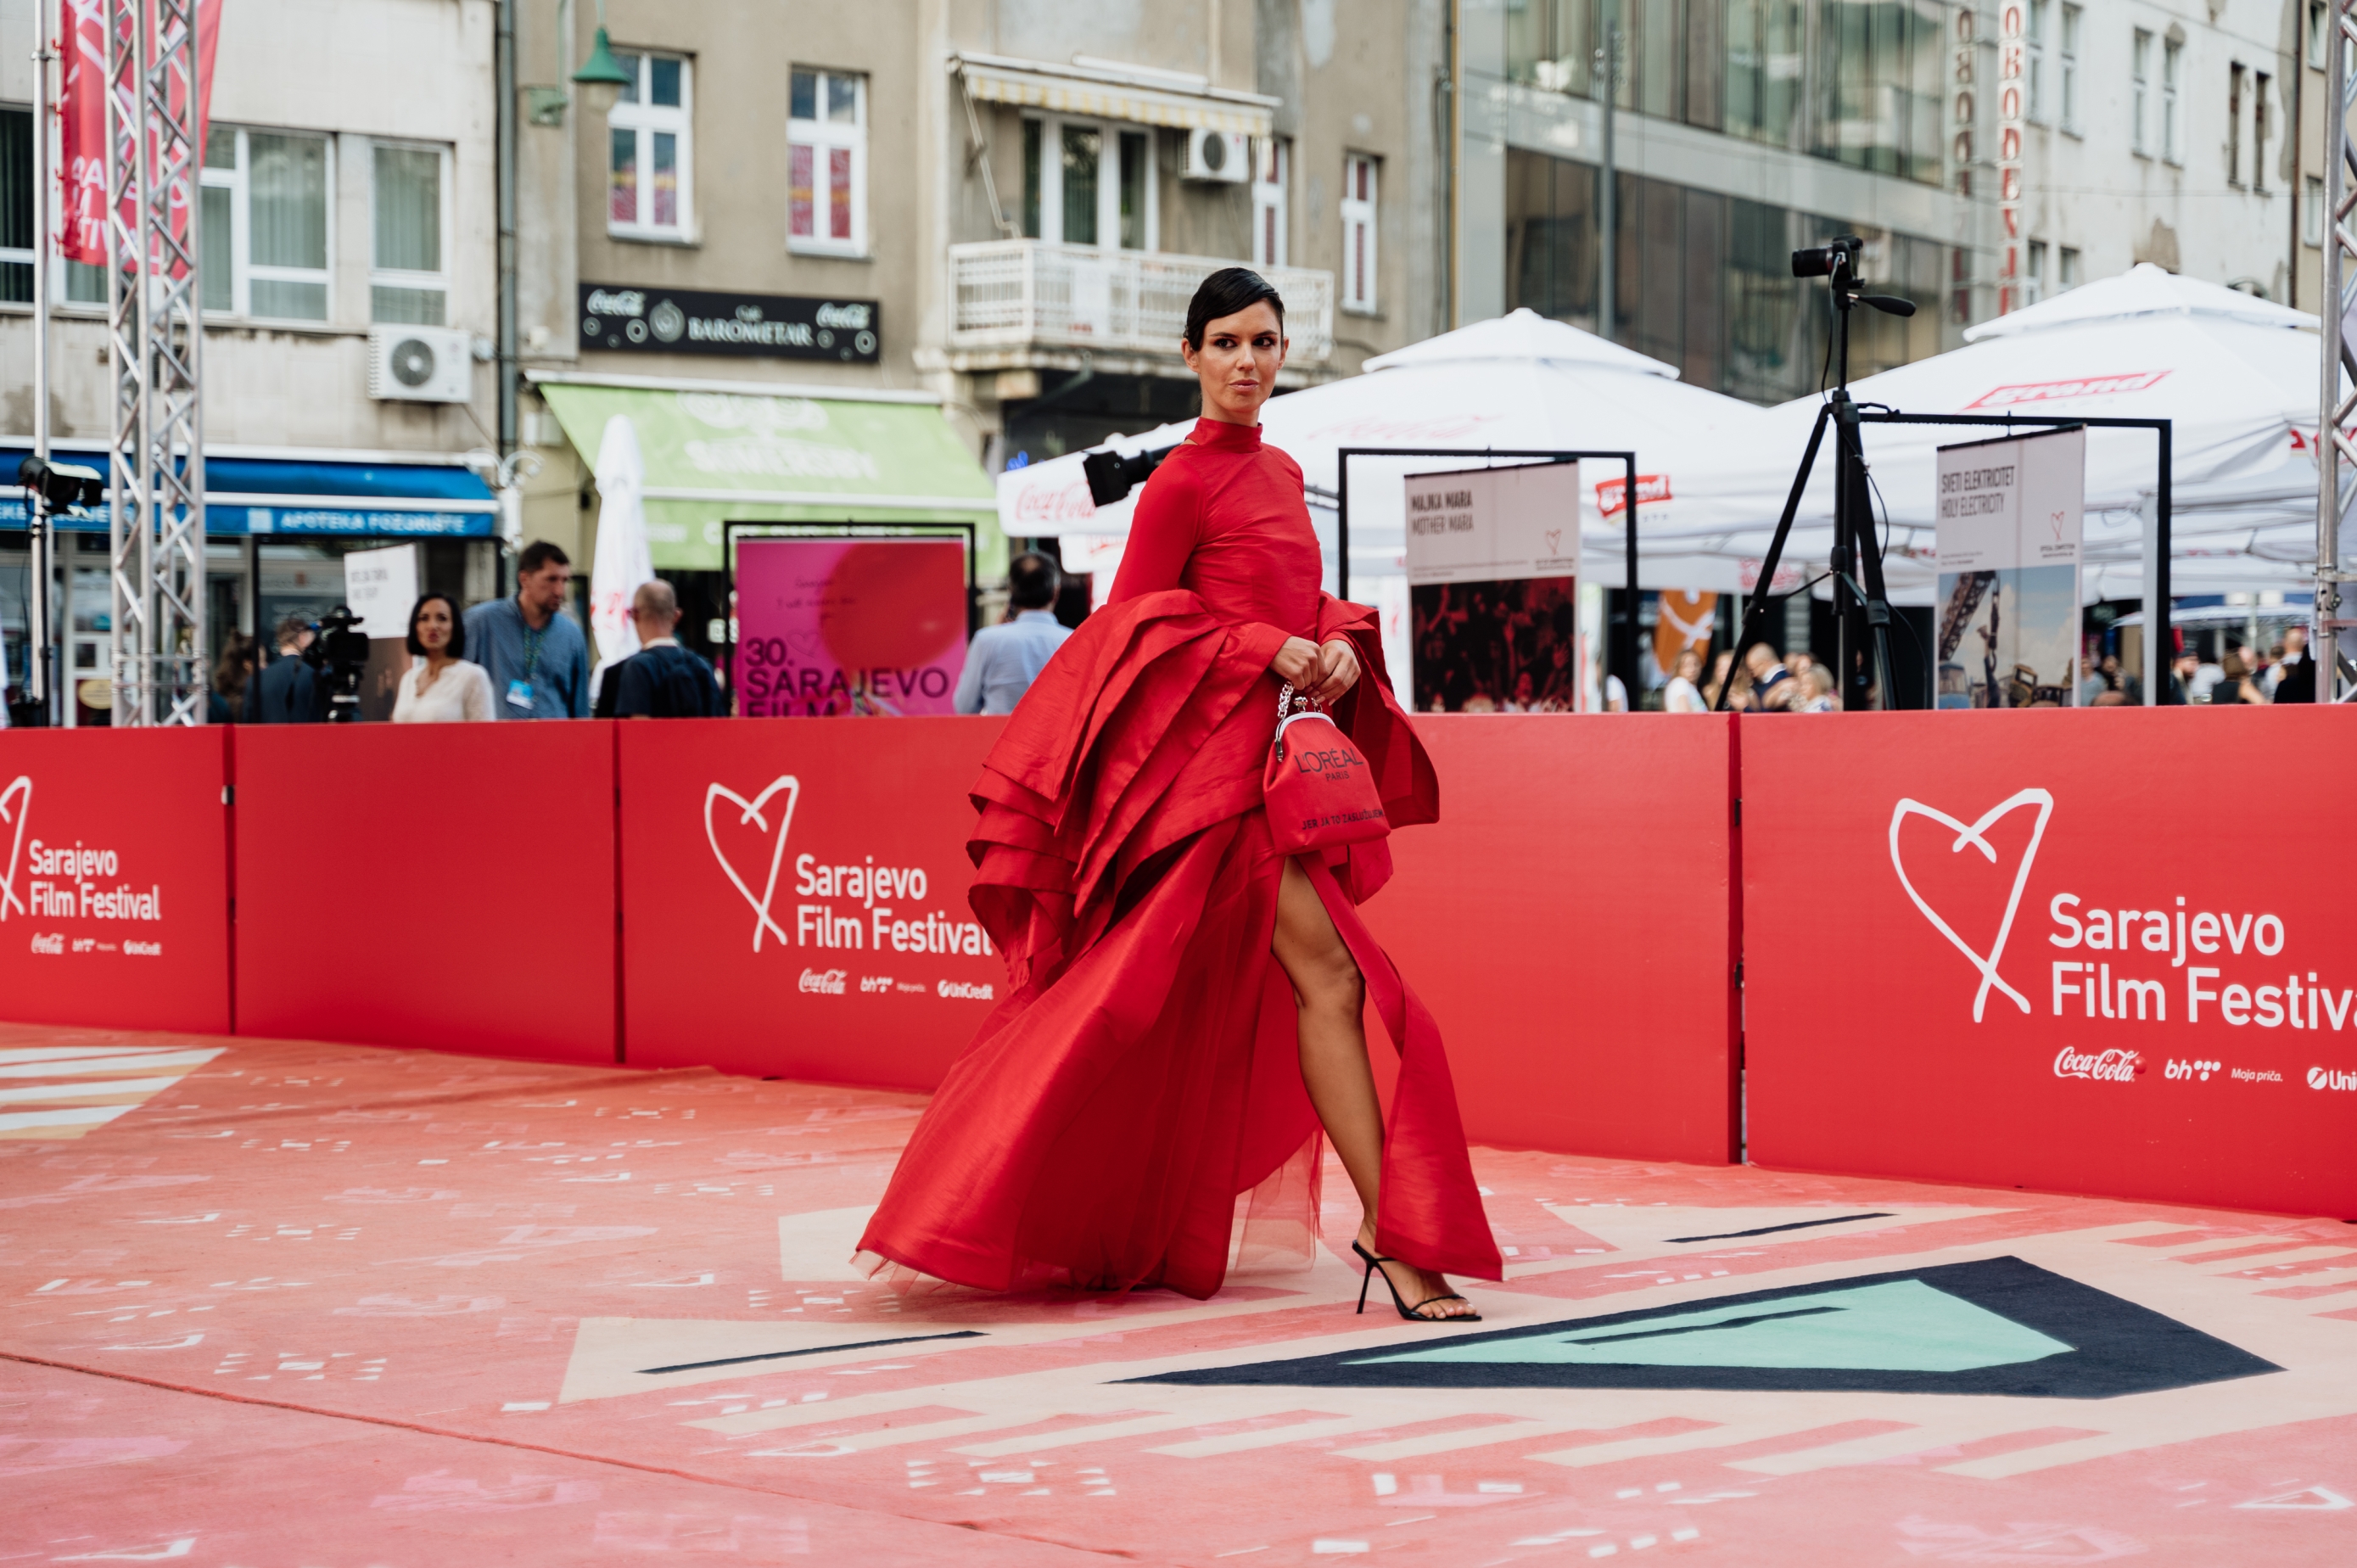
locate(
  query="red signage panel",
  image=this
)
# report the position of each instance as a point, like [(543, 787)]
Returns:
[(1568, 921), (2027, 949), (795, 896), (449, 886), (114, 878)]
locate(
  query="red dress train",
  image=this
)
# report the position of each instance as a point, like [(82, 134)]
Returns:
[(1143, 1074)]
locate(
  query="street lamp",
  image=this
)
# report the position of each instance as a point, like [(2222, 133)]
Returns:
[(601, 77)]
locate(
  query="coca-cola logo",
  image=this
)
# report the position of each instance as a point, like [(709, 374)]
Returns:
[(2106, 1067), (824, 982)]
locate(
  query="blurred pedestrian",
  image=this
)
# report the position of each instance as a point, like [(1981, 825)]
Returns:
[(233, 675), (440, 687), (2293, 680), (537, 660), (288, 689), (1816, 691), (661, 680), (1004, 659), (2235, 684), (1681, 695), (2091, 684), (1768, 677)]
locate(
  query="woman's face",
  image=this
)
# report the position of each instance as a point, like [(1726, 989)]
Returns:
[(1238, 362), (433, 627)]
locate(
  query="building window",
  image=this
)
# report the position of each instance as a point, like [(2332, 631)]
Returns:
[(2041, 107), (407, 282), (826, 163), (17, 206), (2234, 127), (1089, 184), (2037, 274), (1359, 194), (2172, 62), (2260, 82), (2312, 212), (1271, 158), (2140, 92), (2320, 26), (650, 169), (2066, 272), (2069, 71), (1763, 68), (264, 224)]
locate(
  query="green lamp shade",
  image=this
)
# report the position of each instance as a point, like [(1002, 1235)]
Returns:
[(601, 68)]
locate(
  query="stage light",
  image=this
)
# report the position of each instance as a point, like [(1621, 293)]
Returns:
[(65, 487)]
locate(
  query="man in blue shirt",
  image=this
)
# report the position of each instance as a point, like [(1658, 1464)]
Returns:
[(1004, 659), (534, 654)]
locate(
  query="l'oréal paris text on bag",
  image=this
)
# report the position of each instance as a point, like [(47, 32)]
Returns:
[(1320, 789)]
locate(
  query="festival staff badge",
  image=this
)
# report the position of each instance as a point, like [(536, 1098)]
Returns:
[(1959, 889), (753, 814)]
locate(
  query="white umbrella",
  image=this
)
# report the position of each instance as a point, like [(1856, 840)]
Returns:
[(2236, 375), (622, 563)]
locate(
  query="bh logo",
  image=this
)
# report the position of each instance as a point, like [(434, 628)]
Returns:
[(1974, 836), (2199, 1071)]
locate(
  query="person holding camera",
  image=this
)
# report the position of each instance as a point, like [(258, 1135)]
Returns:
[(536, 658), (288, 689), (440, 687)]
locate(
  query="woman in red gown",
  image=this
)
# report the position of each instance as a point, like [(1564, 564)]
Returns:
[(1185, 1004)]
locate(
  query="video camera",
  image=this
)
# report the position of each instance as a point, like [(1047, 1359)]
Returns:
[(338, 656), (62, 487)]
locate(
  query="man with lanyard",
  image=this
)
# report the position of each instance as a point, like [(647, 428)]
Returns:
[(534, 654)]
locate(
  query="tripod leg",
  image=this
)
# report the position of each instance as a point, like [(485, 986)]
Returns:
[(1756, 611), (1869, 565)]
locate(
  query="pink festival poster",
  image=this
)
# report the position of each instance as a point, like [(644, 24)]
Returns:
[(842, 626)]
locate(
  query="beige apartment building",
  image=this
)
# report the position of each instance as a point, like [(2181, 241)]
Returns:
[(841, 264)]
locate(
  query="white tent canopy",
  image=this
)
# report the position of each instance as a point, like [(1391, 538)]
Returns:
[(2236, 375)]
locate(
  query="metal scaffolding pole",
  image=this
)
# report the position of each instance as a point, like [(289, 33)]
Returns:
[(2336, 457), (156, 334)]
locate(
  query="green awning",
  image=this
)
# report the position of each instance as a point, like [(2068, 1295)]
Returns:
[(713, 457)]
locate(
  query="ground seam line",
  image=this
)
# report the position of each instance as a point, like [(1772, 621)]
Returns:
[(230, 1398)]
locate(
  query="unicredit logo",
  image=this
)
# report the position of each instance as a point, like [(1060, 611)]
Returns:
[(2330, 1078), (2109, 1067)]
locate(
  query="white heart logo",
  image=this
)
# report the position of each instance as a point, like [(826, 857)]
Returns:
[(1974, 835), (20, 790), (750, 812)]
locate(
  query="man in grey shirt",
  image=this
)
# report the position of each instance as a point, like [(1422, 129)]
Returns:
[(1004, 659), (534, 654)]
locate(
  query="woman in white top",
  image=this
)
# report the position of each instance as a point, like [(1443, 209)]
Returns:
[(1681, 695), (441, 687)]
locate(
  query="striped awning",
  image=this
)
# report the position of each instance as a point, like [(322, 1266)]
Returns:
[(1147, 99)]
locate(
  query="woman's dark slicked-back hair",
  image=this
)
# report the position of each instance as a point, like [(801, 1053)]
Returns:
[(1224, 293), (457, 626)]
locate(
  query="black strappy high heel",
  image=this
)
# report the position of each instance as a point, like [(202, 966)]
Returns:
[(1413, 1313)]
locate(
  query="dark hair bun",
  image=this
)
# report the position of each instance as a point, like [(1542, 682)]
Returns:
[(1224, 293)]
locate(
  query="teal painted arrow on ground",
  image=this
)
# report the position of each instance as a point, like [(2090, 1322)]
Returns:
[(1905, 1325)]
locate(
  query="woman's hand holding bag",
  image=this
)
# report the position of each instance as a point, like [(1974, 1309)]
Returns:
[(1320, 789)]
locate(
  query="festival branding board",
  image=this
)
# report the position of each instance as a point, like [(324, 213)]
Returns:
[(794, 898), (829, 626), (2011, 513), (114, 878), (1990, 955), (1493, 590)]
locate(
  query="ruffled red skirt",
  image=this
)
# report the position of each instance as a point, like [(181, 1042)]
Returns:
[(1134, 1114)]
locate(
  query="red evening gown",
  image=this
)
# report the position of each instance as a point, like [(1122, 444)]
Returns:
[(1134, 1114)]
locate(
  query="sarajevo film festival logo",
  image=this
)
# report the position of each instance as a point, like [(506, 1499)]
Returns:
[(750, 813), (15, 802), (1974, 836)]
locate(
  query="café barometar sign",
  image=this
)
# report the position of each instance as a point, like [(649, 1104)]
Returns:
[(688, 321)]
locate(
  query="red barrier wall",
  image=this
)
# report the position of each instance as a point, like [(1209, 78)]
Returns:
[(131, 932), (1865, 1051), (444, 885), (1569, 922), (746, 949)]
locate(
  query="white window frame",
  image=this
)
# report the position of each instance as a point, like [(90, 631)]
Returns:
[(2066, 268), (243, 272), (645, 119), (2172, 129), (2140, 93), (393, 277), (2312, 212), (1272, 171), (2238, 79), (2040, 109), (2073, 33), (2260, 83), (10, 256), (1362, 229), (2319, 23), (1051, 180), (2036, 272), (823, 135)]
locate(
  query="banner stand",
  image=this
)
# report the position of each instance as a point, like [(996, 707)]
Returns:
[(879, 531)]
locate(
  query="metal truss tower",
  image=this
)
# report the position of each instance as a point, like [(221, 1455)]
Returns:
[(2336, 456), (156, 336)]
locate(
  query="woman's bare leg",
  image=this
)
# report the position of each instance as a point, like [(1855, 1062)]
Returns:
[(1331, 996)]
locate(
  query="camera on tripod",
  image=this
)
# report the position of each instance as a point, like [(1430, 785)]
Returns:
[(338, 656), (1835, 257)]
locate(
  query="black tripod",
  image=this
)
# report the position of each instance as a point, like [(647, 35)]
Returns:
[(1861, 608)]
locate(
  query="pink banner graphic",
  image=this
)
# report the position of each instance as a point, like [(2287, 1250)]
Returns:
[(81, 164), (832, 626)]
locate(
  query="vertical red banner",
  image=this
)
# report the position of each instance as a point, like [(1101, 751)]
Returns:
[(81, 164)]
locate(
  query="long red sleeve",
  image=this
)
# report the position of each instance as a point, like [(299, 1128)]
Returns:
[(1222, 518)]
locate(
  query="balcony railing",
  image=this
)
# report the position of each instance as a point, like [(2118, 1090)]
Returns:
[(1024, 293)]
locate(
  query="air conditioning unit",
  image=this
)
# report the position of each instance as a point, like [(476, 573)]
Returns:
[(1223, 155), (420, 364)]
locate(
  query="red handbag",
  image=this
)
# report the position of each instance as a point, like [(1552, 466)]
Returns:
[(1319, 787)]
